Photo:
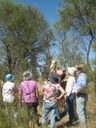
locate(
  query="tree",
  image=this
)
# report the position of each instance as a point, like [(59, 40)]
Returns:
[(23, 29), (80, 17), (69, 53)]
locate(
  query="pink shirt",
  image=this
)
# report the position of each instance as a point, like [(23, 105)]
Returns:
[(70, 84), (50, 91), (29, 91)]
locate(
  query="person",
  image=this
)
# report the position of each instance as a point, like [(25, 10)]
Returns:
[(81, 95), (69, 97), (62, 73), (50, 90), (9, 91), (28, 98)]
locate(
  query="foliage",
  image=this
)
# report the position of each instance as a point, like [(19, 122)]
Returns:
[(79, 17), (69, 52), (23, 29)]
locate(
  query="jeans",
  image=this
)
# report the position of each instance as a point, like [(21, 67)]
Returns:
[(49, 107), (70, 107), (81, 109), (31, 113), (57, 112)]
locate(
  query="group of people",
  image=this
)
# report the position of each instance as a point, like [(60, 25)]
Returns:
[(53, 90), (75, 89)]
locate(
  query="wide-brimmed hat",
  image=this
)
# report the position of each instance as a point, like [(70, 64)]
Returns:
[(53, 78), (9, 77), (27, 75), (71, 70)]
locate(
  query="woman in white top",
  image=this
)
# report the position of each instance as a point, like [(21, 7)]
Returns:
[(69, 98), (8, 94)]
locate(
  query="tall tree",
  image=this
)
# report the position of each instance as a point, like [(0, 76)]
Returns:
[(67, 44), (80, 16), (23, 29)]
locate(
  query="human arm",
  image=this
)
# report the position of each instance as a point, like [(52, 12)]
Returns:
[(81, 83), (62, 93), (15, 89), (20, 96), (37, 93)]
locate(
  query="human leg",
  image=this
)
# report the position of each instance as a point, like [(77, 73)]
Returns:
[(71, 108), (80, 103), (45, 114), (27, 114), (52, 116), (57, 113), (34, 113)]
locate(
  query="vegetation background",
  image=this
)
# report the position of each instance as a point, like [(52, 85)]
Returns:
[(27, 42)]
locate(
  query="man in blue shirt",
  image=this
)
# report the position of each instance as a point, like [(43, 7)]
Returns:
[(81, 96)]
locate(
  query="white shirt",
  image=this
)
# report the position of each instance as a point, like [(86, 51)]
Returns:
[(70, 84), (8, 92)]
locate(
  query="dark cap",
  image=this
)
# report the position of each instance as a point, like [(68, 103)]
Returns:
[(53, 78)]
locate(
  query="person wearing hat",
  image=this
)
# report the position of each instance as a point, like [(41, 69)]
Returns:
[(8, 93), (81, 96), (50, 90), (28, 98), (69, 98)]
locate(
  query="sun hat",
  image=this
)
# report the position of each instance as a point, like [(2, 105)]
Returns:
[(71, 71), (27, 75), (53, 78), (9, 77), (74, 68)]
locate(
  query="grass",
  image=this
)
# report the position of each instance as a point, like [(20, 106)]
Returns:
[(91, 111)]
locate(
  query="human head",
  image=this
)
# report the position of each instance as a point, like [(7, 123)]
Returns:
[(79, 68), (27, 75), (9, 77), (60, 70), (53, 78), (71, 71)]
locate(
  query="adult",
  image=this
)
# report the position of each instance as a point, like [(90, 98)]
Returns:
[(81, 96), (8, 93), (28, 97), (69, 97), (61, 72), (50, 90)]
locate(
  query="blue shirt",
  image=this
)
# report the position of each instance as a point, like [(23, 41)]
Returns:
[(81, 81)]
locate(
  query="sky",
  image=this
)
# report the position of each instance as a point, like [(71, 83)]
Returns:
[(47, 7)]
